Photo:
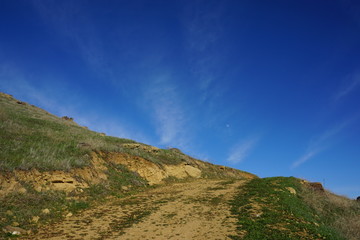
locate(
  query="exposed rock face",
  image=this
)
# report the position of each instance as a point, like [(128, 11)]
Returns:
[(54, 180), (152, 172), (316, 186), (80, 178), (9, 184), (182, 171), (146, 169)]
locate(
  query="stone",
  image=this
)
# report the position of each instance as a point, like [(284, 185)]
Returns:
[(316, 186), (35, 219), (45, 211), (38, 188), (291, 190), (22, 190), (68, 118), (193, 171), (68, 215), (358, 199), (14, 230)]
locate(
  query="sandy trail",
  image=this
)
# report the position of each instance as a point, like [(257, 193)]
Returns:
[(190, 210)]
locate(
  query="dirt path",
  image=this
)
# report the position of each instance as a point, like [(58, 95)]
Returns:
[(192, 210)]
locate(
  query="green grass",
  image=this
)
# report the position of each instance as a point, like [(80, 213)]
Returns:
[(266, 210), (33, 138), (21, 208), (24, 206)]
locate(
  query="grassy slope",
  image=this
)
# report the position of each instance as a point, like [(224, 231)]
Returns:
[(266, 209), (31, 138)]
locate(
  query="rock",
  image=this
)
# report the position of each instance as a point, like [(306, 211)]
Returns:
[(125, 188), (193, 171), (35, 219), (15, 224), (38, 188), (14, 230), (316, 186), (68, 118), (358, 199), (68, 215), (45, 211), (291, 190), (22, 190), (22, 103)]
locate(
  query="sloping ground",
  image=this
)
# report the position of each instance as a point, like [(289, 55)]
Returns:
[(51, 167), (190, 210), (104, 187), (52, 153), (282, 208)]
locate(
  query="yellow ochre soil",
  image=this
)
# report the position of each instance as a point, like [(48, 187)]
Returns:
[(187, 210)]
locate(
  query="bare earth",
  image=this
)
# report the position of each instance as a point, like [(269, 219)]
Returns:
[(191, 210)]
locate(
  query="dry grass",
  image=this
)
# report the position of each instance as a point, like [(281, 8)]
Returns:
[(340, 212)]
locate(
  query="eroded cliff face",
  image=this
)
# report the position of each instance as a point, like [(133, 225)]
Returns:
[(81, 178)]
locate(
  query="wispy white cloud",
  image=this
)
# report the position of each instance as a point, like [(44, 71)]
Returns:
[(308, 155), (321, 143), (71, 21), (14, 81), (167, 111), (241, 150), (203, 27), (351, 85)]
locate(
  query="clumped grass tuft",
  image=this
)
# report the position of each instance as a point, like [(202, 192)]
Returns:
[(266, 209)]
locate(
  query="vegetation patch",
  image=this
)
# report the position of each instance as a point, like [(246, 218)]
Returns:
[(33, 138), (27, 210), (339, 212), (267, 209)]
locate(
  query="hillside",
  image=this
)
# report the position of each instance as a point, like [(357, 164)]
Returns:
[(55, 162), (60, 180)]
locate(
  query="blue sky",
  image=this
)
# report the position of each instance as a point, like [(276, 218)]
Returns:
[(270, 87)]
